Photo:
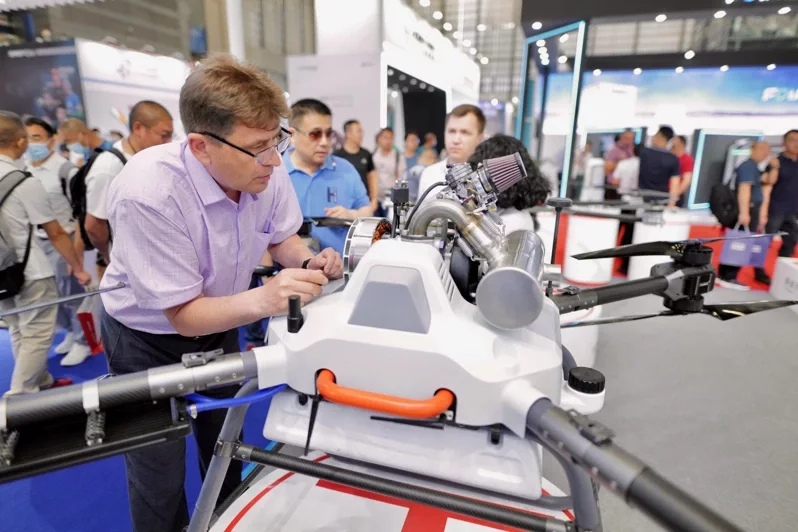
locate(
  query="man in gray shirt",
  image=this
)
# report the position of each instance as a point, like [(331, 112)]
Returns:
[(24, 208)]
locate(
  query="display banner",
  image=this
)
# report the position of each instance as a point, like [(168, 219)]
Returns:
[(41, 80)]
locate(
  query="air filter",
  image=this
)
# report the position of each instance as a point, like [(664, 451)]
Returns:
[(504, 172)]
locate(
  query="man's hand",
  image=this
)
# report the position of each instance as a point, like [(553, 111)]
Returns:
[(763, 221), (340, 212), (744, 219), (275, 292), (83, 277), (329, 262)]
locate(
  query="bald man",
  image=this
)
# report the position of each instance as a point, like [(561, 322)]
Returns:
[(150, 125), (753, 200)]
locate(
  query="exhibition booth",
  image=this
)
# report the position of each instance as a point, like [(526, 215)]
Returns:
[(385, 66)]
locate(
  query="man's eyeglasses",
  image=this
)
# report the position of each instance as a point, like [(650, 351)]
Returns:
[(263, 156), (316, 134)]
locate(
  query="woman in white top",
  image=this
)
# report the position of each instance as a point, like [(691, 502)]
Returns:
[(528, 193)]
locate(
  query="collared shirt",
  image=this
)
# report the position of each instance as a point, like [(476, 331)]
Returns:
[(335, 183), (619, 152), (26, 206), (748, 172), (49, 175), (103, 171), (657, 167), (784, 197), (177, 235)]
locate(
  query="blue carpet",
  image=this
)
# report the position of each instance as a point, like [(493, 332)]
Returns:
[(89, 497)]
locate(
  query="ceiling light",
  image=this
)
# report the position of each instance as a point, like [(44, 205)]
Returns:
[(394, 94), (402, 77), (422, 85), (508, 25), (637, 71), (679, 70), (405, 90), (784, 10), (390, 72), (484, 60), (447, 26), (466, 42), (543, 50), (597, 72), (661, 18), (729, 2), (537, 25), (541, 42), (544, 57), (437, 15), (564, 37), (689, 54), (720, 14), (431, 89), (423, 3), (545, 62), (515, 100), (413, 81), (457, 35), (473, 51), (771, 66), (562, 59), (494, 102), (481, 27), (724, 68)]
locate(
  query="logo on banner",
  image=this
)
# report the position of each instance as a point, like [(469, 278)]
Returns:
[(780, 94)]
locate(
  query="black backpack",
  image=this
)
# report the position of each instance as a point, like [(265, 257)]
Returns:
[(723, 203), (12, 272), (77, 192)]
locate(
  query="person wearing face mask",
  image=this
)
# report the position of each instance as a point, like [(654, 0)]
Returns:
[(150, 125), (25, 205), (325, 184), (81, 141), (465, 129), (191, 222), (54, 172)]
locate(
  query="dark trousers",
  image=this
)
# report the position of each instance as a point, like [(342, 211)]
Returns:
[(789, 224), (156, 474), (728, 272)]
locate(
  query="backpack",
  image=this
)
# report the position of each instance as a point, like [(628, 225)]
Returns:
[(63, 176), (76, 192), (12, 272), (723, 202)]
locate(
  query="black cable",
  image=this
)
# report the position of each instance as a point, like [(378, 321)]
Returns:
[(421, 200), (452, 503)]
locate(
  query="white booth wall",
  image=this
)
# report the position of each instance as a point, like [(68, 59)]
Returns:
[(114, 79), (358, 44)]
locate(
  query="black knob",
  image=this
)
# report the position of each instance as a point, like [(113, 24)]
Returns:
[(295, 317), (586, 380), (559, 203)]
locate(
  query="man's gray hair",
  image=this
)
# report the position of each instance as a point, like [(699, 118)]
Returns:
[(12, 128)]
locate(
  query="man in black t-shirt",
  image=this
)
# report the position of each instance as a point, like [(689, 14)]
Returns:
[(361, 159), (659, 168)]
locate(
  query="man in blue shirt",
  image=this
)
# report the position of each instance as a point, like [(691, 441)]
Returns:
[(752, 200), (325, 185), (783, 212)]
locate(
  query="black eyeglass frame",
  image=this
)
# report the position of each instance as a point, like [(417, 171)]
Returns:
[(280, 147)]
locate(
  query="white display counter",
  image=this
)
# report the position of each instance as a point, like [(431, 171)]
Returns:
[(675, 227), (586, 233), (784, 284)]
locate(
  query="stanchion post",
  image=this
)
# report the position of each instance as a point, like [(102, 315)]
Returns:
[(559, 204)]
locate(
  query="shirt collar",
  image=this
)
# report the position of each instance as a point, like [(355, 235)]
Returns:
[(207, 188), (329, 164)]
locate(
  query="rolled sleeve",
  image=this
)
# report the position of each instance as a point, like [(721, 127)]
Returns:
[(97, 194), (747, 173), (287, 215), (159, 257), (37, 202)]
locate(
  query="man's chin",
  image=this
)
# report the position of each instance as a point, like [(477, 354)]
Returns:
[(258, 185)]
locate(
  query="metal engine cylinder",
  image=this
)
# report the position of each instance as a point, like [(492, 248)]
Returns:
[(510, 295)]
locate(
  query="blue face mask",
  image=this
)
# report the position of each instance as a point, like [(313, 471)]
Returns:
[(106, 145), (38, 151), (79, 148)]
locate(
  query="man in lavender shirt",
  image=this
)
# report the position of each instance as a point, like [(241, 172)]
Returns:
[(191, 221), (622, 149)]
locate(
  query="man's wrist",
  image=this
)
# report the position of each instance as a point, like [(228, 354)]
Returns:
[(306, 262)]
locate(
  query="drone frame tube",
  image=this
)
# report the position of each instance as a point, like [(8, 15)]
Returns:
[(593, 297)]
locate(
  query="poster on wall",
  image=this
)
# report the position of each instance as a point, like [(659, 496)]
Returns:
[(115, 79), (41, 80)]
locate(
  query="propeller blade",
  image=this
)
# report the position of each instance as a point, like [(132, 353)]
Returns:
[(729, 311), (672, 249), (619, 319)]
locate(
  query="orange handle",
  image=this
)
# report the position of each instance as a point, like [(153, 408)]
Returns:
[(387, 404)]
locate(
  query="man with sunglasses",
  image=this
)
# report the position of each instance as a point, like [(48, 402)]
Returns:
[(326, 185), (191, 222)]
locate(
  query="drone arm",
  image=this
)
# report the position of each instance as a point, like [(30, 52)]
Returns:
[(585, 299), (590, 445)]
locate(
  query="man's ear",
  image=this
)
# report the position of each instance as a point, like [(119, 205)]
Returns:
[(199, 147)]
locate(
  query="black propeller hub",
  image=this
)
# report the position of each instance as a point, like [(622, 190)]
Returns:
[(695, 254)]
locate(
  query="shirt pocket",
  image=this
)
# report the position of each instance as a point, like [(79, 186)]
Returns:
[(263, 239)]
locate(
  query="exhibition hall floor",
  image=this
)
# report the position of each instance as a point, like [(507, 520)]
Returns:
[(707, 403)]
